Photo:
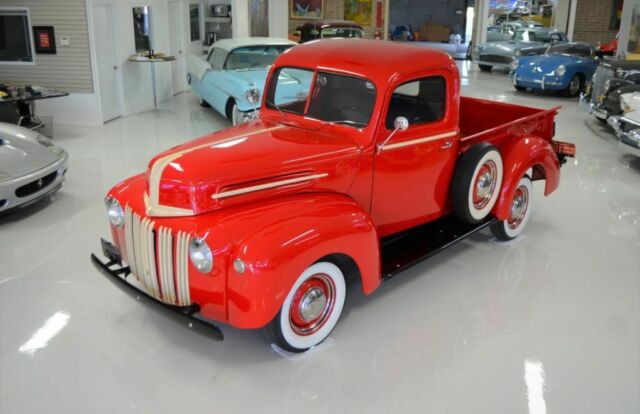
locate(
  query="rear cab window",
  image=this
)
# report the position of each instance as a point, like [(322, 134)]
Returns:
[(421, 101)]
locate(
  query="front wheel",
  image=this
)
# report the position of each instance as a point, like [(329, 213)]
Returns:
[(574, 87), (520, 88), (485, 68), (518, 213), (203, 103), (311, 309)]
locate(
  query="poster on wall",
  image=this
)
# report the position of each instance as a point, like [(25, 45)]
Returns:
[(306, 9), (44, 39), (358, 11)]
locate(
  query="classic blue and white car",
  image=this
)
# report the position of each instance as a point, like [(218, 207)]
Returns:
[(232, 77), (564, 67)]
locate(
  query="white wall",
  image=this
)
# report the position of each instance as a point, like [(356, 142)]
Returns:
[(134, 79)]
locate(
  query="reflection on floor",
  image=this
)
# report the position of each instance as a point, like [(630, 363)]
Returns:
[(546, 323)]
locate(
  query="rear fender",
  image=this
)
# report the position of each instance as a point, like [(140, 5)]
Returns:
[(293, 237), (518, 157)]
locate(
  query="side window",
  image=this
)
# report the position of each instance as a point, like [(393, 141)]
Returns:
[(419, 101), (217, 58)]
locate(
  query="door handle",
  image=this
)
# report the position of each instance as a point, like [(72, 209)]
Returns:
[(446, 145)]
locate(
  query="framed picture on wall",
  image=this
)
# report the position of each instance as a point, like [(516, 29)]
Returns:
[(358, 11), (306, 9), (44, 39)]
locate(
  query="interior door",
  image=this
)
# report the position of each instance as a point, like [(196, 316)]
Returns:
[(107, 63), (176, 46), (413, 169)]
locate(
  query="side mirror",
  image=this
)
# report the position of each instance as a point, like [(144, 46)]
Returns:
[(400, 124)]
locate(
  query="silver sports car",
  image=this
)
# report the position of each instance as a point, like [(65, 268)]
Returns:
[(31, 166), (523, 43)]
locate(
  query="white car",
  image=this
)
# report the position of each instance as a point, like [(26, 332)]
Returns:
[(627, 125), (32, 167)]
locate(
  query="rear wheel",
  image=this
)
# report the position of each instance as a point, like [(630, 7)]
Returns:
[(574, 87), (485, 68), (476, 183), (518, 213), (520, 88), (311, 309)]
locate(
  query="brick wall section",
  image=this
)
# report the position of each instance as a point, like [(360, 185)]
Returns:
[(593, 18), (334, 10)]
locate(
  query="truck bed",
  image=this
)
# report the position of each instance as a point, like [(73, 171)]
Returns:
[(489, 121)]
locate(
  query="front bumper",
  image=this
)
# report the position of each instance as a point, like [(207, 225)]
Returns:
[(43, 183), (626, 142), (500, 65), (183, 315), (596, 110), (543, 83), (629, 146)]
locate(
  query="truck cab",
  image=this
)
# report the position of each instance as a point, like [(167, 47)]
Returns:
[(351, 170)]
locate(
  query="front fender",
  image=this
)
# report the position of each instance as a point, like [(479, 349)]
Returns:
[(294, 235), (517, 157)]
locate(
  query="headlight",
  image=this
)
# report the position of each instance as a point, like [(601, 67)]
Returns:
[(561, 70), (607, 83), (252, 95), (114, 212), (49, 144), (514, 64), (45, 141), (518, 53), (200, 255)]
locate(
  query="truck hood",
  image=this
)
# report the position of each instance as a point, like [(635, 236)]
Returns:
[(247, 163)]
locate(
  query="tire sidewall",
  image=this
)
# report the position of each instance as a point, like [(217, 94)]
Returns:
[(480, 214), (300, 342)]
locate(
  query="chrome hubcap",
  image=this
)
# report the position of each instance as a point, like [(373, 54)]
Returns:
[(575, 85), (312, 304), (485, 185), (518, 207)]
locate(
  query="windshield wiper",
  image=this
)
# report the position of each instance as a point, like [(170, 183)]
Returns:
[(349, 122)]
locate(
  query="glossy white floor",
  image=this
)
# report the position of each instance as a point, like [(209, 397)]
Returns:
[(547, 323)]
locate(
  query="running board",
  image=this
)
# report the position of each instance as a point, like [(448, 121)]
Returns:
[(404, 250)]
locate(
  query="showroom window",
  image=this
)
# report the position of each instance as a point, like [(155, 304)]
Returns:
[(16, 41), (419, 101)]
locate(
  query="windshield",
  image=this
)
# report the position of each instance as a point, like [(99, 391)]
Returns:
[(254, 57), (329, 97), (568, 49), (348, 32)]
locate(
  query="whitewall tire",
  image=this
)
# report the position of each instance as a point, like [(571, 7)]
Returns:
[(311, 309), (476, 183), (519, 212)]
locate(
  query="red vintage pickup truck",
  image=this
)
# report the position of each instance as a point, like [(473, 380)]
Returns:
[(364, 161)]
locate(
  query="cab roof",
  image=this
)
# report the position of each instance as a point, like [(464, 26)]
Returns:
[(376, 60)]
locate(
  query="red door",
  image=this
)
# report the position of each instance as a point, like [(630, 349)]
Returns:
[(413, 169)]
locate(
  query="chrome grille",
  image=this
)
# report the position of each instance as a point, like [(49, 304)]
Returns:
[(599, 78), (157, 259)]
